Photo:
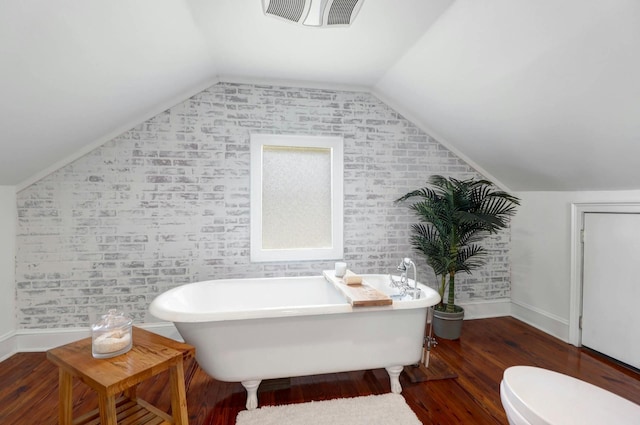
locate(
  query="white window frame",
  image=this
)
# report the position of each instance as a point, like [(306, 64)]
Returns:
[(336, 251)]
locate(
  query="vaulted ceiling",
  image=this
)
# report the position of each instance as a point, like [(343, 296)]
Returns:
[(539, 95)]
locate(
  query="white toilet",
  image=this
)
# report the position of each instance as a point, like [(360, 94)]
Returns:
[(534, 396)]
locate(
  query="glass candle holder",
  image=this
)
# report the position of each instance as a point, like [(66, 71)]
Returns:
[(111, 335)]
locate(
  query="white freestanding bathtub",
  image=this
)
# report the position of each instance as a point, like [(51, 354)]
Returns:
[(248, 330)]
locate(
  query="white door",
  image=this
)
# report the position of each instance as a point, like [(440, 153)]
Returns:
[(611, 285)]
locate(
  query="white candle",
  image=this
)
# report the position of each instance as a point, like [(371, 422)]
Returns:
[(341, 269)]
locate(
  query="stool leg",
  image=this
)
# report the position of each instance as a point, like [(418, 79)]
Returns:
[(107, 406), (178, 395), (65, 389)]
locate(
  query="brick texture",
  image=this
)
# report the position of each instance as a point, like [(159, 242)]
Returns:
[(167, 203)]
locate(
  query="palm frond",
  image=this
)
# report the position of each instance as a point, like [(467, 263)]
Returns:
[(454, 217)]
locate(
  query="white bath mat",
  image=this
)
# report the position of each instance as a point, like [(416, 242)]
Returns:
[(386, 409)]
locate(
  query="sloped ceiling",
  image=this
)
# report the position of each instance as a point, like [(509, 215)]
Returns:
[(541, 95)]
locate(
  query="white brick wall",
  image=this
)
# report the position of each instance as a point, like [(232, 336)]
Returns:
[(168, 203)]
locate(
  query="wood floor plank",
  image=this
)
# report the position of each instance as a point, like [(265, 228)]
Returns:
[(29, 383)]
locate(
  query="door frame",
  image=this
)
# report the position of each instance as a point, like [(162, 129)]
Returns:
[(578, 210)]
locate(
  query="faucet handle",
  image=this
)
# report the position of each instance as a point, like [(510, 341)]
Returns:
[(402, 266)]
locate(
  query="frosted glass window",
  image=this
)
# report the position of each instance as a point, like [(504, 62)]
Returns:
[(296, 197)]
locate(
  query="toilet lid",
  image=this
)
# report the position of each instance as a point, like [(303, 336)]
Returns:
[(544, 397)]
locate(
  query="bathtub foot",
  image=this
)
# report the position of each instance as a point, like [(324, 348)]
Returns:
[(394, 376), (252, 393)]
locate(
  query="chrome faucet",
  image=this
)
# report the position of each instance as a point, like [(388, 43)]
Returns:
[(404, 280)]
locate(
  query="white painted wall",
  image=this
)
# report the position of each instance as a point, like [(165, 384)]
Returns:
[(7, 260), (541, 255)]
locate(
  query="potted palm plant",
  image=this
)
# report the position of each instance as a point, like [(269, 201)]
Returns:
[(454, 217)]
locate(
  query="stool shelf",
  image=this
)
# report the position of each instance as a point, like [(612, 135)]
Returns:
[(129, 412)]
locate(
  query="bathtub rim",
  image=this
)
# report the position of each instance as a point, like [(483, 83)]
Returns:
[(159, 309)]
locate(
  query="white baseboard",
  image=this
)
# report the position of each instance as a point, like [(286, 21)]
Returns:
[(486, 309), (38, 340), (545, 321), (8, 345)]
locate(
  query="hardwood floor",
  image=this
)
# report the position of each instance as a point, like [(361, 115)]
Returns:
[(29, 383)]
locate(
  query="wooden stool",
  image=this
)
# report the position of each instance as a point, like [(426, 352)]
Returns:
[(150, 355)]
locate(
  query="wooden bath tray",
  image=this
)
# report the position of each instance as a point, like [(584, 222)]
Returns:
[(358, 295)]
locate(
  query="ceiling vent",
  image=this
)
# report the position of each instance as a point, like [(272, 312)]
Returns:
[(316, 13)]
